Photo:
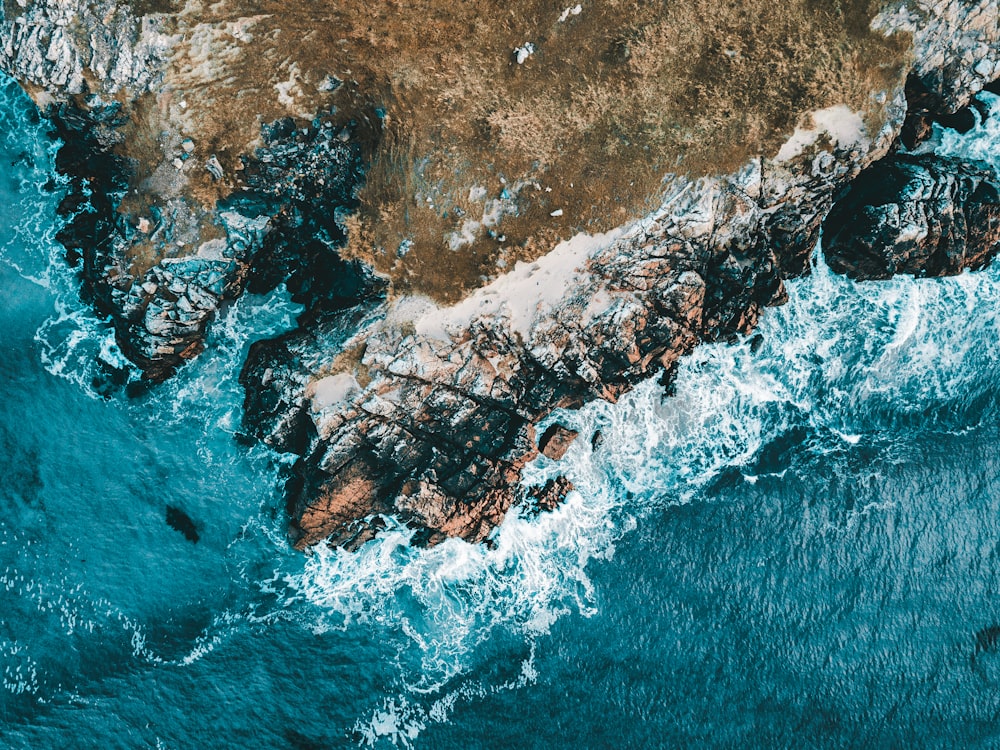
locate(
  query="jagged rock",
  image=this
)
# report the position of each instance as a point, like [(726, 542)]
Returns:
[(280, 227), (63, 47), (923, 215), (549, 496), (443, 416), (91, 67), (556, 440), (925, 107), (276, 375)]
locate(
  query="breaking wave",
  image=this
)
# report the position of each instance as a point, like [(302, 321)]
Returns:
[(841, 363)]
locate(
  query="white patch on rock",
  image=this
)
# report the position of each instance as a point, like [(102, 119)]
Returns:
[(493, 211), (574, 11), (524, 294), (522, 53), (289, 92), (412, 309), (465, 236), (333, 389), (844, 126), (213, 249)]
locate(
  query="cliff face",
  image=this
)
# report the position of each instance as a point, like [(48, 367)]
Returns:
[(399, 402)]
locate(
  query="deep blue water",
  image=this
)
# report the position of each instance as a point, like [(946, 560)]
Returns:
[(797, 550)]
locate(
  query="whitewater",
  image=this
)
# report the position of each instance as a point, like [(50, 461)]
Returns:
[(797, 546)]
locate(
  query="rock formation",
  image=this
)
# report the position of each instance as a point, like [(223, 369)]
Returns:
[(404, 395), (921, 215)]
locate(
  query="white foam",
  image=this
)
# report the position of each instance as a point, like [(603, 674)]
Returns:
[(846, 358), (448, 599), (843, 359), (981, 144)]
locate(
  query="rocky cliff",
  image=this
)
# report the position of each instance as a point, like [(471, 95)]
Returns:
[(415, 398)]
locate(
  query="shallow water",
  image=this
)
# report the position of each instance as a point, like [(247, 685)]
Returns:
[(798, 549)]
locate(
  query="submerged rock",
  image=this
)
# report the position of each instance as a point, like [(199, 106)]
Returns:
[(180, 521), (924, 215)]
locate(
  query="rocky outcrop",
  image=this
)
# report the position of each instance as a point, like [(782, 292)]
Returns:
[(60, 50), (924, 108), (396, 403), (922, 215), (162, 231), (433, 415), (556, 440), (279, 226)]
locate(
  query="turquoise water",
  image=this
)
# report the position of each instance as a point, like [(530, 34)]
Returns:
[(797, 550)]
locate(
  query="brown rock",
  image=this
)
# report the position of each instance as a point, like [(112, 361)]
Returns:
[(556, 441), (551, 495)]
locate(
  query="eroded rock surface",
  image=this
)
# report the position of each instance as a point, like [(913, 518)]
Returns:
[(433, 414), (556, 440)]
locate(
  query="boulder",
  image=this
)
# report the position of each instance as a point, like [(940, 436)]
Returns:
[(556, 440), (915, 214)]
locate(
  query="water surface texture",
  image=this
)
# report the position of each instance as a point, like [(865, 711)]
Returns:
[(800, 548)]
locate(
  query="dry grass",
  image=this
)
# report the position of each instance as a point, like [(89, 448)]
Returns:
[(611, 100)]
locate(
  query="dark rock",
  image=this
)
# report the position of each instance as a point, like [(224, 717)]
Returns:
[(306, 178), (962, 121), (280, 227), (924, 107), (551, 495), (916, 129), (180, 521), (987, 639), (923, 215), (274, 406)]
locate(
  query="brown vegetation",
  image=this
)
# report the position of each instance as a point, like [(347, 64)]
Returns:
[(612, 99)]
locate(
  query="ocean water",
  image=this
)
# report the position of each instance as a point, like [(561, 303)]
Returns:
[(801, 548)]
